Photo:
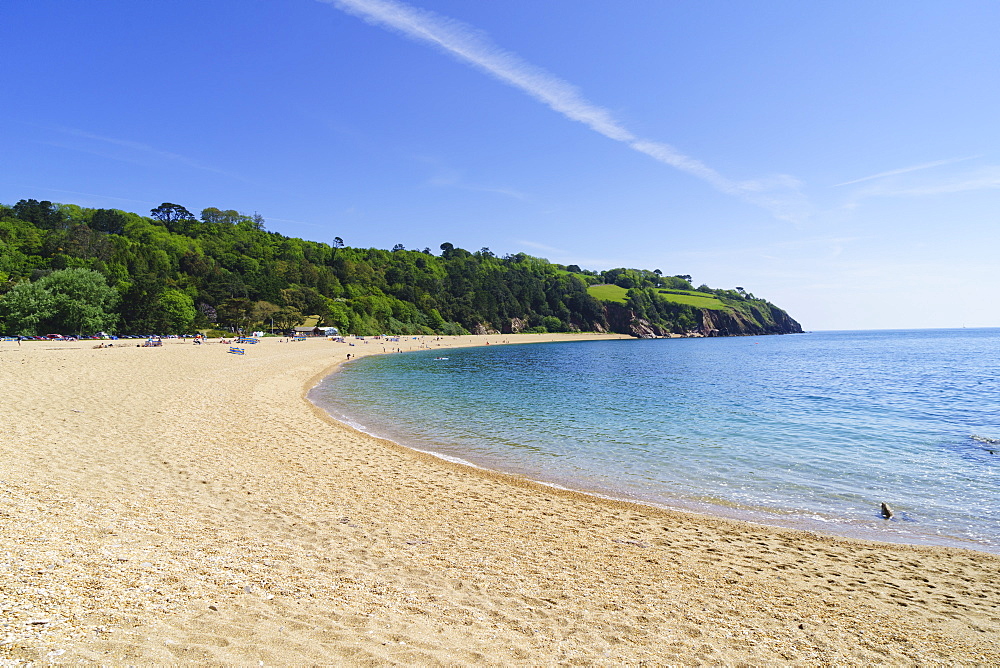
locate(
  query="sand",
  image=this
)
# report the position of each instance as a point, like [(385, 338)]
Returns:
[(184, 505)]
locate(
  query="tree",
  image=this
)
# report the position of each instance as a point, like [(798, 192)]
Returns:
[(68, 300), (263, 312), (218, 217), (339, 315), (287, 317), (168, 213), (398, 247), (83, 300), (206, 316), (24, 307), (44, 214), (236, 314), (175, 312), (553, 324), (110, 221)]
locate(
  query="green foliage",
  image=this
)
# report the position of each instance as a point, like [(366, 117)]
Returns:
[(237, 314), (69, 300), (215, 333), (675, 282), (287, 317), (44, 215), (175, 312), (553, 324), (242, 277), (83, 300), (109, 221), (173, 216), (23, 309)]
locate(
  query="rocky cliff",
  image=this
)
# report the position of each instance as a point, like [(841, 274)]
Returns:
[(763, 319), (623, 320), (758, 318)]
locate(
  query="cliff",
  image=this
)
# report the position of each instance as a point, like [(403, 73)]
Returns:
[(753, 319), (762, 319)]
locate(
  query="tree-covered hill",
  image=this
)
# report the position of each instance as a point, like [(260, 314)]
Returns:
[(68, 269)]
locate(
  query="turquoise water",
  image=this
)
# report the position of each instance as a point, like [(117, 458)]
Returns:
[(809, 431)]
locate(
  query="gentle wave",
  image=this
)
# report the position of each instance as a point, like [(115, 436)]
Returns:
[(811, 431)]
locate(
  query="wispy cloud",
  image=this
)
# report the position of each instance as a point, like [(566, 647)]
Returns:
[(906, 170), (472, 46), (99, 198), (137, 152), (448, 177), (986, 177), (506, 192), (541, 247), (294, 222)]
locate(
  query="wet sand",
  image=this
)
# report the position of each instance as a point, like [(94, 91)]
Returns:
[(184, 505)]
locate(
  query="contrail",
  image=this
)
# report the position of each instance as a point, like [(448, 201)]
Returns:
[(906, 170), (473, 47)]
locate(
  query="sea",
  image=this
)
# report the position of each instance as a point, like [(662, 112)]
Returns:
[(809, 431)]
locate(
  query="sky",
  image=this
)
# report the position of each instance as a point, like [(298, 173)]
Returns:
[(840, 159)]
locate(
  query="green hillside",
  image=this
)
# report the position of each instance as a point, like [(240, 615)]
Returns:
[(71, 269), (608, 293), (693, 298), (619, 295)]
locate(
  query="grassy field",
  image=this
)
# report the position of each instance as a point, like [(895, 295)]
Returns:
[(614, 293), (586, 278), (695, 299), (608, 293)]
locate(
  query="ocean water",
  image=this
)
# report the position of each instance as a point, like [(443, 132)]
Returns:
[(808, 431)]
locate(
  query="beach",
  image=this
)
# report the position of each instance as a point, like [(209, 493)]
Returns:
[(181, 504)]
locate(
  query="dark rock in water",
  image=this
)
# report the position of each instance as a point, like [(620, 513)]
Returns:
[(886, 511)]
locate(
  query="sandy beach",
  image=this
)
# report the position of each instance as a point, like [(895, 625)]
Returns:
[(184, 505)]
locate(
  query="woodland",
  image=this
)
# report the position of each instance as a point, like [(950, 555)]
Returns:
[(74, 270)]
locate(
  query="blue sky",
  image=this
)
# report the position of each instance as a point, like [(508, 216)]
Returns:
[(840, 159)]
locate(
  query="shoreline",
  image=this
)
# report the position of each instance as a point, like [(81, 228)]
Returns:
[(179, 504), (715, 509)]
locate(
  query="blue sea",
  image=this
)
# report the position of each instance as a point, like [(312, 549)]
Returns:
[(810, 431)]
